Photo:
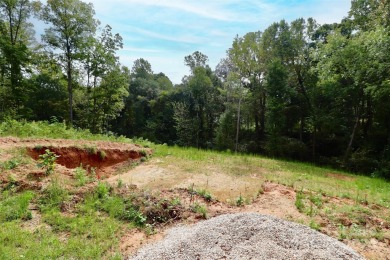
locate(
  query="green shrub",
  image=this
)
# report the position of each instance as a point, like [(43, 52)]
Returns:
[(102, 190), (81, 176), (47, 161), (200, 209), (240, 201)]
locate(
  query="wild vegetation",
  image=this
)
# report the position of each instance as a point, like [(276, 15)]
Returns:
[(77, 215), (299, 90)]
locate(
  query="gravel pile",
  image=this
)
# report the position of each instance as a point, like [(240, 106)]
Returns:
[(246, 236)]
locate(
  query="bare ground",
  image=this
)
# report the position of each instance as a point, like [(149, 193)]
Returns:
[(262, 197), (168, 180)]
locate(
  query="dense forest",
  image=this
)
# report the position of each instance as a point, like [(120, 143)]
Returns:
[(297, 90)]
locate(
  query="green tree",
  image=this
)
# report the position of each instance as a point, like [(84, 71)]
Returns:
[(72, 23), (197, 59), (16, 36)]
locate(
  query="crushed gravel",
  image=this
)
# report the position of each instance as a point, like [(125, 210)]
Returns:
[(246, 236)]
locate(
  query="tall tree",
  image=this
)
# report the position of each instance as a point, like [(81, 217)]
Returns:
[(196, 59), (72, 23), (15, 36)]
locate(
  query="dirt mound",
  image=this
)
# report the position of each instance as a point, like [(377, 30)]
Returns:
[(246, 236), (73, 157), (102, 158)]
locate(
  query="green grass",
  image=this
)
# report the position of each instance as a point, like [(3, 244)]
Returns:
[(92, 227), (15, 207), (86, 237), (43, 129), (294, 174)]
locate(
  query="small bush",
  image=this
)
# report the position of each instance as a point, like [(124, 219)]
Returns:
[(240, 201), (81, 176), (200, 209), (143, 153), (47, 161), (102, 190)]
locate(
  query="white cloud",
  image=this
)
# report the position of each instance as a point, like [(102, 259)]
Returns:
[(186, 38), (164, 31)]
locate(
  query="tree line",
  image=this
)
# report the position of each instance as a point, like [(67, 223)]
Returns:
[(298, 90)]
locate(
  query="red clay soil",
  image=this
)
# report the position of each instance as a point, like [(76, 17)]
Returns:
[(73, 157)]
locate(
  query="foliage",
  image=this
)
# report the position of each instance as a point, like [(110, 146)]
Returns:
[(47, 161), (298, 90), (81, 176)]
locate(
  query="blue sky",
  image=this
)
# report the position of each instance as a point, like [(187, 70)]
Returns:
[(164, 31)]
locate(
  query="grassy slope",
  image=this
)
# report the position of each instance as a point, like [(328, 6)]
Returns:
[(93, 230), (294, 174)]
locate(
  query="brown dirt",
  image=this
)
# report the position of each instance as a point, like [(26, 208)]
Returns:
[(104, 157), (261, 196), (73, 157), (170, 181)]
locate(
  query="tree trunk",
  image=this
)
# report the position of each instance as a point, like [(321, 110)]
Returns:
[(238, 123), (349, 148), (70, 91), (262, 114)]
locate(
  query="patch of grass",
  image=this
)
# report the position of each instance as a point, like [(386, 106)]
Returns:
[(314, 225), (293, 174), (119, 183), (53, 197), (342, 232), (299, 204), (81, 176), (102, 190), (88, 236), (205, 194), (15, 207), (19, 157), (102, 154), (10, 164), (199, 209), (91, 149), (241, 201), (44, 129), (115, 206)]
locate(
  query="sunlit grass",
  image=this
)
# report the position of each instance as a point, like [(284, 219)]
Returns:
[(295, 174)]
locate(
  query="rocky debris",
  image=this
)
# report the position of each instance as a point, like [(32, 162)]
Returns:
[(246, 236)]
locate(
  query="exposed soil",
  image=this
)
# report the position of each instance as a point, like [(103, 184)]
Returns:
[(274, 199), (103, 157), (73, 157), (168, 181)]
